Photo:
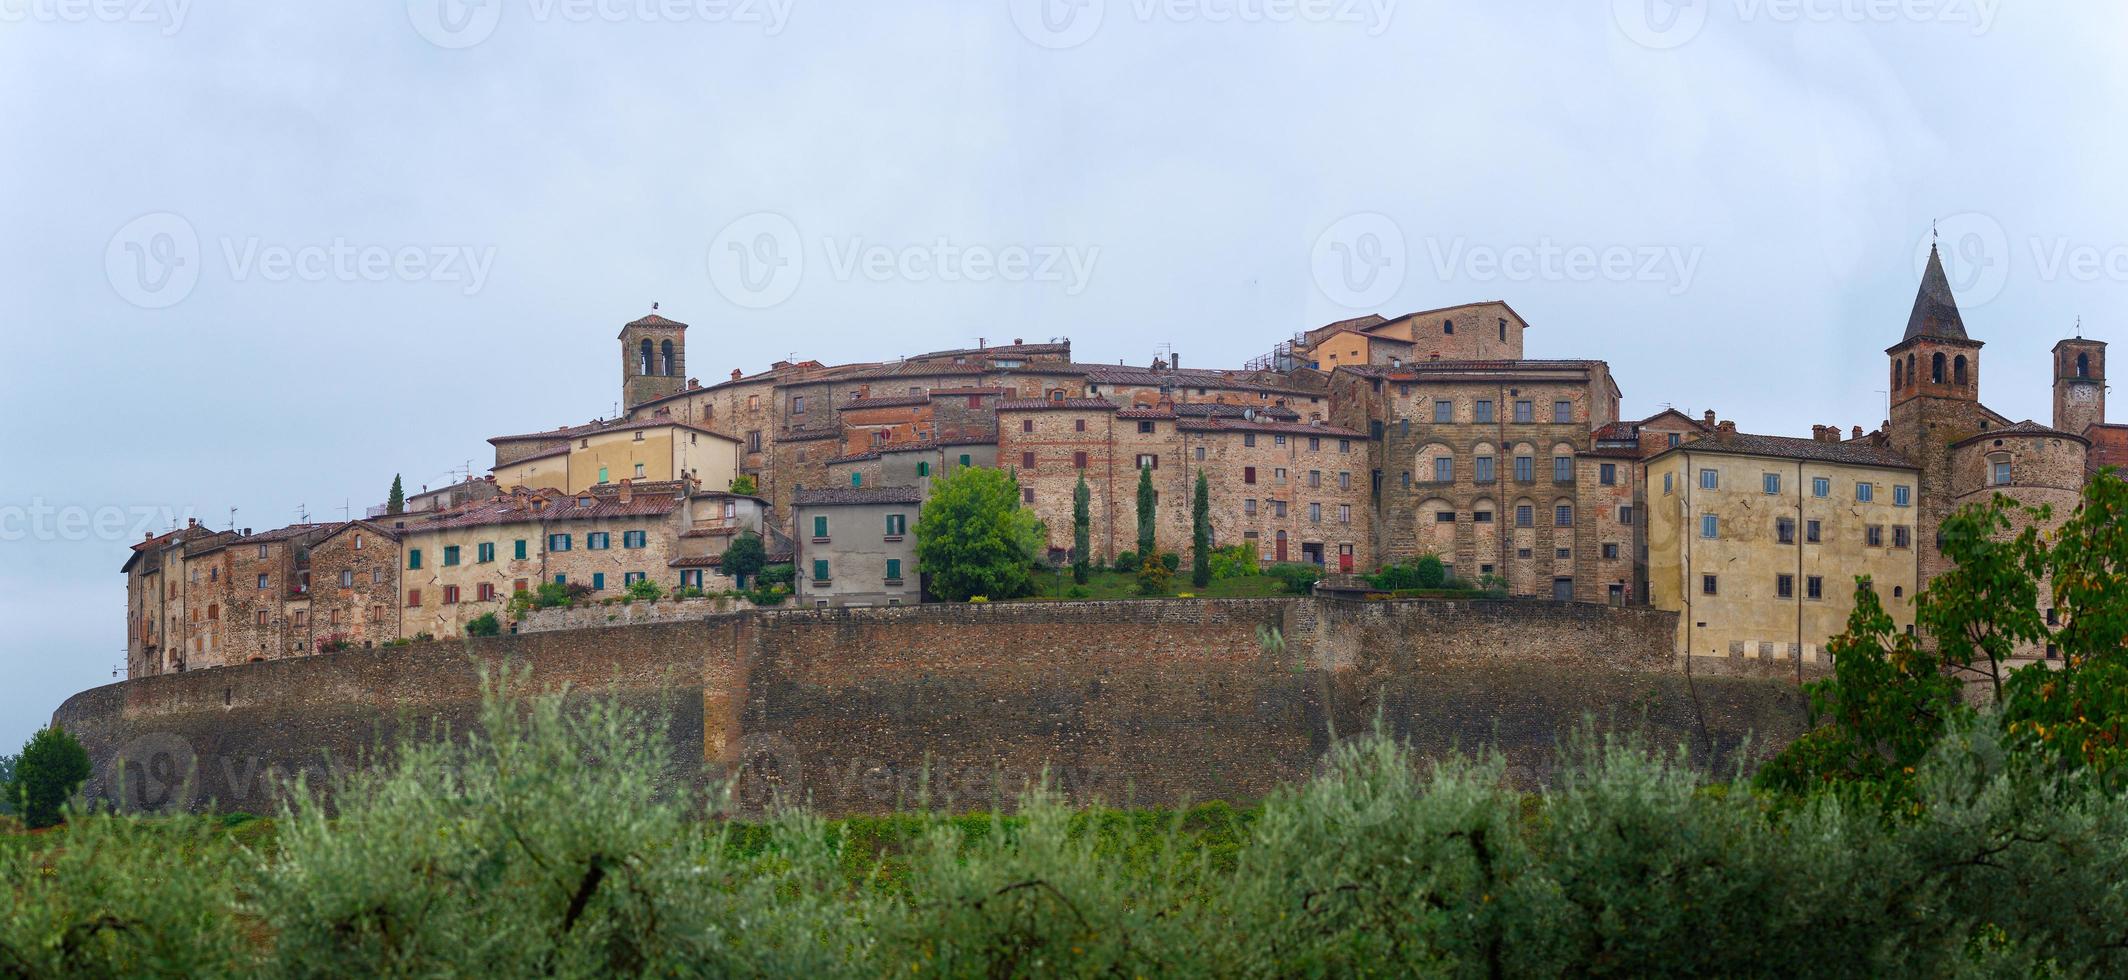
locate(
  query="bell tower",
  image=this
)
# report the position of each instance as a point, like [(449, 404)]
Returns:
[(653, 359), (2079, 384), (1935, 385)]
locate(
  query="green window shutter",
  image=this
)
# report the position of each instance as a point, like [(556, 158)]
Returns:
[(923, 469), (560, 579), (520, 553), (965, 458), (893, 569), (602, 474), (413, 558), (820, 527), (598, 580), (820, 570)]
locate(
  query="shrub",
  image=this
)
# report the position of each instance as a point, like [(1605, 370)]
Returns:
[(1236, 561), (1077, 592), (49, 771), (1172, 561), (744, 558), (1153, 578), (768, 595), (785, 575), (646, 589), (1299, 578), (1127, 562), (485, 624)]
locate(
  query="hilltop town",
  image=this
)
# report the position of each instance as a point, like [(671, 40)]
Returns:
[(1352, 445)]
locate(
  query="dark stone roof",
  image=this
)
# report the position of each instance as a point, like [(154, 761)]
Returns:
[(1935, 313), (2024, 428), (1851, 452), (858, 496)]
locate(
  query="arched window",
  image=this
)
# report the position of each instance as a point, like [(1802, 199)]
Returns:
[(665, 359), (643, 367), (1958, 370), (1936, 368), (1448, 326), (1911, 377), (1898, 375), (2083, 365)]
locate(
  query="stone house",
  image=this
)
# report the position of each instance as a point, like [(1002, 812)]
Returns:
[(856, 546)]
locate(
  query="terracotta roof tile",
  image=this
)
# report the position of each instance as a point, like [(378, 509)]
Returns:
[(858, 496), (1852, 452), (1056, 404)]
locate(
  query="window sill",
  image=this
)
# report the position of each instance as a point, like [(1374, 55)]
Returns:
[(820, 540), (893, 581), (892, 538)]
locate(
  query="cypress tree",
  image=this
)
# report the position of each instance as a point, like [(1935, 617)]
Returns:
[(396, 502), (1081, 531), (1146, 502), (1201, 533)]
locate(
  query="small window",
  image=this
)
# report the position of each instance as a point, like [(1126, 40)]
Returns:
[(1248, 474), (1902, 536), (262, 582), (484, 552), (1710, 526), (413, 558), (1562, 412), (1026, 495), (1525, 411), (820, 571), (1902, 496), (897, 525), (820, 526), (1482, 469), (1525, 516), (1999, 472), (1784, 530), (1444, 470), (1874, 536), (1607, 474), (1772, 483), (1562, 469), (1709, 585), (450, 555), (1784, 586), (1078, 425), (1148, 461), (1444, 517), (1865, 492), (517, 549), (1027, 462), (923, 469), (1525, 468), (1820, 487), (1610, 550), (1710, 480), (1814, 587), (1444, 411), (1813, 531), (1563, 515), (413, 599), (1026, 425), (1146, 426), (347, 578), (1669, 483), (893, 570)]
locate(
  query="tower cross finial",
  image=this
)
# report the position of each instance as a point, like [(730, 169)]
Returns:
[(2079, 326), (653, 306), (1933, 234)]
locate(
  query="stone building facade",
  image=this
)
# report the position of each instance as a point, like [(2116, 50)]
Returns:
[(856, 546)]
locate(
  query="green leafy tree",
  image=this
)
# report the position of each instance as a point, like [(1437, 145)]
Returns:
[(1987, 605), (1154, 577), (744, 558), (1081, 531), (1877, 716), (395, 503), (974, 539), (486, 624), (2078, 715), (745, 484), (50, 770), (1201, 533), (1148, 501)]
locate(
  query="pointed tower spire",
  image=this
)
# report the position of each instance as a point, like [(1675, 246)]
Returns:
[(1935, 312)]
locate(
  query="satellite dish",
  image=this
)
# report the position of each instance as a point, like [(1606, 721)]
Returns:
[(1248, 414)]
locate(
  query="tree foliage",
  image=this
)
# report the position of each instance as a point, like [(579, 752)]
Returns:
[(745, 485), (395, 503), (744, 558), (1893, 694), (974, 539), (1201, 533), (49, 771), (1081, 532), (1148, 503)]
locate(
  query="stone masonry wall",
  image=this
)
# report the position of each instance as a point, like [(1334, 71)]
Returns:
[(1152, 702)]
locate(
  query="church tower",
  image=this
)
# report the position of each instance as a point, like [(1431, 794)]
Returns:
[(653, 359), (2079, 384), (1935, 378)]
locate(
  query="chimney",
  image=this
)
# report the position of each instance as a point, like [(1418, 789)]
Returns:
[(627, 494), (693, 383), (1174, 360), (1017, 341), (1710, 418), (1725, 432), (981, 343), (1817, 433), (147, 535), (1858, 432), (736, 374)]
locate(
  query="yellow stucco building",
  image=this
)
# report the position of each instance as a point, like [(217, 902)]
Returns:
[(651, 450), (1756, 541)]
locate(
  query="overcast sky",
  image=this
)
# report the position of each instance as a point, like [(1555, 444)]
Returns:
[(264, 256)]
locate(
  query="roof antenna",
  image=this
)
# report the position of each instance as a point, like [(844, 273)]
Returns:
[(1932, 234), (2079, 326)]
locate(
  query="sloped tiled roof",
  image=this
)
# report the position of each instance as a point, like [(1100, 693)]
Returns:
[(1856, 452), (1056, 404), (858, 496), (1262, 425), (884, 401)]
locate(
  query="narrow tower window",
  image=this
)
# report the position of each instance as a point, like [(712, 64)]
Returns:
[(1936, 369), (643, 365), (2083, 365), (665, 359), (1958, 370)]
